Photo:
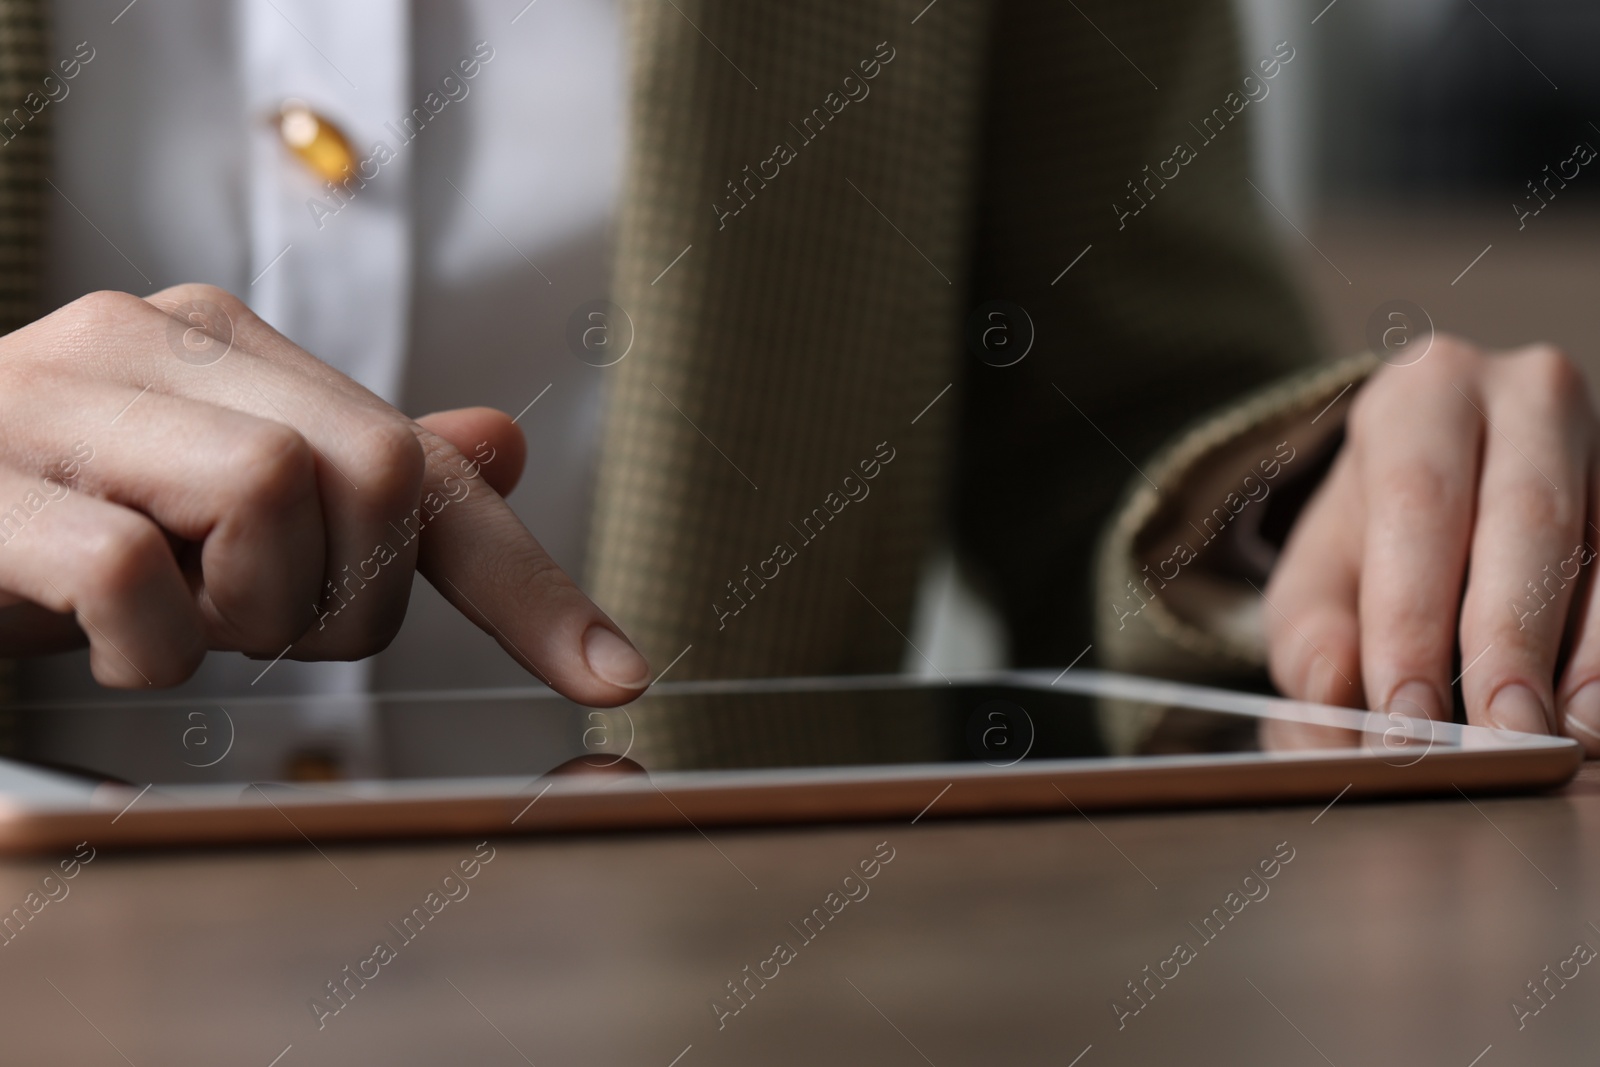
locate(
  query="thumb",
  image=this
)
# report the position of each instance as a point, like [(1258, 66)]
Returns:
[(469, 428)]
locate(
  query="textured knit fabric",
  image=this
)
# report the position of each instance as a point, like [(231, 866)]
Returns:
[(24, 157), (792, 340), (784, 343)]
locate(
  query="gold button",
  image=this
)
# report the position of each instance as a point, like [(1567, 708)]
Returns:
[(318, 143)]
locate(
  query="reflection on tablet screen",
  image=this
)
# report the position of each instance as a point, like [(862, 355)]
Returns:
[(496, 734)]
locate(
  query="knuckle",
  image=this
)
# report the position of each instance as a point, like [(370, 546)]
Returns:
[(1391, 398), (442, 460), (1448, 358), (1539, 505), (1453, 355), (198, 292), (1450, 361), (1552, 373), (528, 569), (1402, 627), (390, 461), (107, 305), (537, 568), (1420, 488), (1492, 624), (436, 450), (272, 465), (120, 558)]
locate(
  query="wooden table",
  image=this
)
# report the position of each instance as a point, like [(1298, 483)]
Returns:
[(1397, 934)]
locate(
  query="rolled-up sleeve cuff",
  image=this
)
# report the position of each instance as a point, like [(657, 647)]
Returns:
[(1183, 560)]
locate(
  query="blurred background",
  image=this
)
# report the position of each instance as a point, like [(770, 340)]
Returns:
[(1410, 143), (1419, 150)]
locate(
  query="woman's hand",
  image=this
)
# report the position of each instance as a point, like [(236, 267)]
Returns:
[(176, 476), (1453, 536)]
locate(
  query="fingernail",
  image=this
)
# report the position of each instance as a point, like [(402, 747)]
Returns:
[(1583, 713), (1515, 707), (1416, 699), (613, 659)]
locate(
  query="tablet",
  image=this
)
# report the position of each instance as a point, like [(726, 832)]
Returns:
[(701, 754)]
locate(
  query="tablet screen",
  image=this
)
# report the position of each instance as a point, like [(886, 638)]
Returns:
[(837, 722)]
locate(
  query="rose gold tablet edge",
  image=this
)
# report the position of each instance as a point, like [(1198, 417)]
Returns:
[(1006, 792)]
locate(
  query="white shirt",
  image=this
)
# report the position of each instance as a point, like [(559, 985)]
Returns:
[(447, 280)]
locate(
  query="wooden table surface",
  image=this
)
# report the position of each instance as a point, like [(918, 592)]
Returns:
[(1397, 934)]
